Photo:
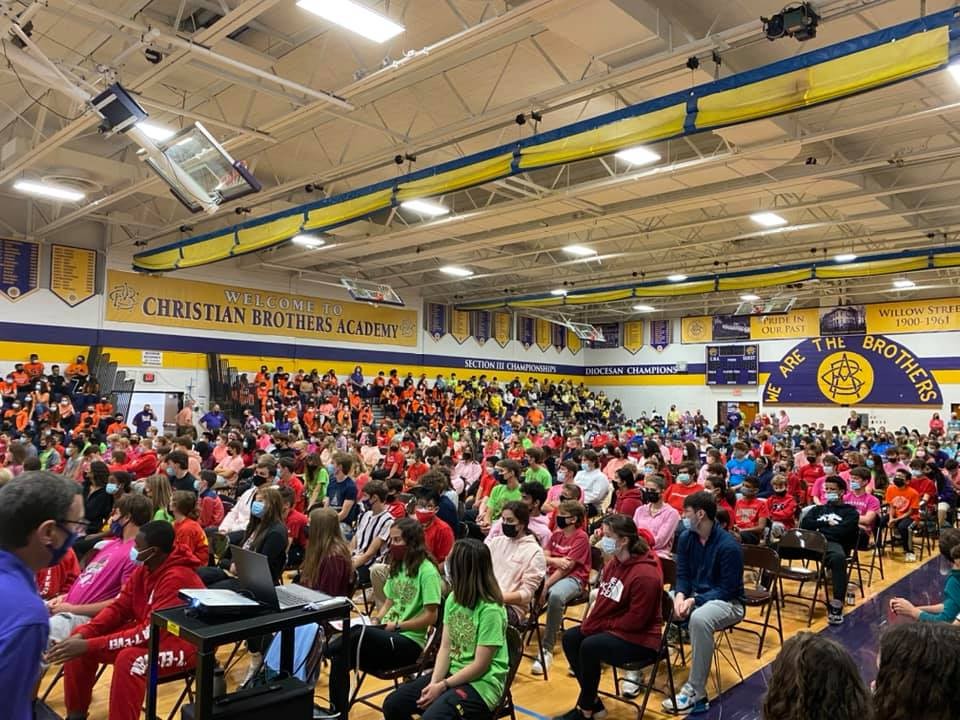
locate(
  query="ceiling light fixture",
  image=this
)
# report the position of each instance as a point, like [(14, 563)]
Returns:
[(904, 284), (679, 277), (749, 297), (638, 156), (768, 219), (559, 292), (155, 132), (456, 271), (844, 257), (425, 207), (48, 191), (644, 308), (308, 241), (355, 17), (579, 250)]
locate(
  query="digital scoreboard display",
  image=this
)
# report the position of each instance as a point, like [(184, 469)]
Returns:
[(732, 365)]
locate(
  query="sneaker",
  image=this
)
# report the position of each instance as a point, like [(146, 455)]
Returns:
[(687, 702), (537, 668), (835, 613), (910, 558), (630, 685), (256, 662), (599, 711)]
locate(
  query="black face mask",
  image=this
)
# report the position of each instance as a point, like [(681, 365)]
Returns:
[(259, 480), (561, 521), (499, 477), (651, 496), (899, 482), (511, 531), (811, 459)]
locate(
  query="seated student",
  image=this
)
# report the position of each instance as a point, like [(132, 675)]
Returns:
[(56, 580), (593, 482), (106, 572), (839, 524), (948, 610), (925, 487), (287, 478), (234, 524), (507, 489), (750, 514), (517, 561), (566, 471), (327, 564), (413, 600), (370, 542), (211, 506), (781, 508), (740, 466), (437, 534), (568, 561), (183, 507), (533, 497), (396, 506), (831, 466), (815, 677), (684, 486), (470, 672), (724, 497), (629, 496), (918, 672), (707, 594), (866, 503), (656, 517), (157, 489), (904, 505), (342, 492), (625, 622), (118, 634), (296, 523)]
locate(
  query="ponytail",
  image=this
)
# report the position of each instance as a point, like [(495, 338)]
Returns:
[(623, 526)]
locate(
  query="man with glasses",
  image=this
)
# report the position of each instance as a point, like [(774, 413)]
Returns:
[(41, 516)]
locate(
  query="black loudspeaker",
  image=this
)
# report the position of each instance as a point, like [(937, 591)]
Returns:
[(290, 699)]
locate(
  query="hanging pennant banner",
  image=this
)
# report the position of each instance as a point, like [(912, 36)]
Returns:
[(501, 328), (525, 331), (73, 274), (480, 325), (633, 335), (436, 320), (542, 330), (558, 336), (660, 334), (573, 342), (460, 325), (19, 273)]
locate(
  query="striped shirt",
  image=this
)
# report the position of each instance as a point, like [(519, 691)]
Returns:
[(373, 526)]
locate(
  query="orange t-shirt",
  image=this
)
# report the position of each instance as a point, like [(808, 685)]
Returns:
[(187, 532), (901, 500)]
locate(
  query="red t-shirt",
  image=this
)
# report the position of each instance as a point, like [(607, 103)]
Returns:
[(295, 484), (675, 493), (747, 513), (189, 534), (577, 548), (438, 537), (782, 509), (924, 486), (296, 523), (57, 580)]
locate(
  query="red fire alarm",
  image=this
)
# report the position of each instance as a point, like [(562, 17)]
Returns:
[(149, 377)]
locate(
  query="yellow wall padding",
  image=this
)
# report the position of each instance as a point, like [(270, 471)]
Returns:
[(606, 139), (467, 176), (348, 210), (748, 282), (257, 238), (824, 81), (208, 251), (166, 260), (876, 267)]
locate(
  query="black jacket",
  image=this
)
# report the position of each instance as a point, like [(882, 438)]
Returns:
[(837, 523)]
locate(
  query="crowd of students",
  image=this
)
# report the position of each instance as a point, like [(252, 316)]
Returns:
[(470, 525)]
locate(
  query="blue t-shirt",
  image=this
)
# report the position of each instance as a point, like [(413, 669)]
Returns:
[(24, 630), (338, 492), (213, 421), (739, 469)]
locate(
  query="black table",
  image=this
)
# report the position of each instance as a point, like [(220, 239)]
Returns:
[(208, 636)]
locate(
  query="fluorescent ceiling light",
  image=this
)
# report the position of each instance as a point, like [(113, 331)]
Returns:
[(355, 17), (844, 257), (308, 241), (155, 132), (638, 156), (456, 271), (676, 278), (579, 250), (425, 207), (49, 191), (558, 292), (749, 297), (644, 308), (768, 219), (954, 69), (904, 284)]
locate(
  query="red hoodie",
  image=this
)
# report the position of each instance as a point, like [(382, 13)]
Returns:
[(126, 621), (57, 580), (628, 603), (144, 466)]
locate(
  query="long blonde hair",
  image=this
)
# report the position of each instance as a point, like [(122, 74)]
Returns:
[(325, 540), (160, 492)]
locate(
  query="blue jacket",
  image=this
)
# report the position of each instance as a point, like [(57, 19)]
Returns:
[(712, 570), (24, 630), (951, 601)]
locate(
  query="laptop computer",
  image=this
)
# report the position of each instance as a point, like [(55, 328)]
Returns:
[(253, 571)]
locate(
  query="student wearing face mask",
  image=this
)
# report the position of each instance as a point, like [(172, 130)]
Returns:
[(740, 465), (518, 560), (865, 502), (370, 542), (838, 522), (507, 489), (750, 513), (685, 485), (625, 623), (119, 633), (781, 508), (831, 464), (594, 483), (904, 504), (629, 496), (655, 516)]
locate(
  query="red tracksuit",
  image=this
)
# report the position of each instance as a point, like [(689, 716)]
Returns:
[(119, 634)]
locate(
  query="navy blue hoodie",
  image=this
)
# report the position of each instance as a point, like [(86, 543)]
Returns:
[(24, 630), (712, 570)]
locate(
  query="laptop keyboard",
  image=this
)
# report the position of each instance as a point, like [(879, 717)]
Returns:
[(295, 595)]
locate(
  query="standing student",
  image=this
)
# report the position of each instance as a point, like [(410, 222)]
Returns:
[(625, 623), (471, 668), (413, 601)]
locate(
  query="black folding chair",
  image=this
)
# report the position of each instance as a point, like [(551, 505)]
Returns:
[(809, 548)]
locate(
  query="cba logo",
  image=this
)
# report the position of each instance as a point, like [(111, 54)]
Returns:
[(696, 330), (845, 377), (123, 297)]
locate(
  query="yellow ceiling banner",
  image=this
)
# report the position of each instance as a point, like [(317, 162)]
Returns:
[(542, 333), (697, 329), (171, 302), (460, 325), (502, 325), (786, 326), (914, 316), (574, 343), (633, 335), (73, 274)]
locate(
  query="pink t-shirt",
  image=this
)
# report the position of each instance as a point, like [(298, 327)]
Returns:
[(105, 575), (863, 503)]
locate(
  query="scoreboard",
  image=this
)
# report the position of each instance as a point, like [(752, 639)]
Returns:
[(732, 365)]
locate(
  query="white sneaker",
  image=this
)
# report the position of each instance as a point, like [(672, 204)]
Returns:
[(537, 668), (256, 662), (687, 702), (630, 685), (910, 558)]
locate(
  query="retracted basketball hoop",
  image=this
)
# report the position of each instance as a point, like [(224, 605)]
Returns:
[(371, 292)]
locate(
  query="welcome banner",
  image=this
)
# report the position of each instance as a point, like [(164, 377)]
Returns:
[(170, 302)]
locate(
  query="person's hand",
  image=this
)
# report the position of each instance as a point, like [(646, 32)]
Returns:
[(430, 693), (72, 647), (905, 608), (54, 605)]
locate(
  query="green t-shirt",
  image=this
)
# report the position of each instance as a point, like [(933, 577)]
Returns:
[(486, 625), (527, 443), (540, 475), (410, 594), (162, 514), (500, 496), (320, 478)]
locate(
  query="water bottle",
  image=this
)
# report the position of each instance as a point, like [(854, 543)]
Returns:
[(851, 597)]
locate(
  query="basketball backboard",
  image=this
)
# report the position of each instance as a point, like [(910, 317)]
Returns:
[(371, 292), (585, 331)]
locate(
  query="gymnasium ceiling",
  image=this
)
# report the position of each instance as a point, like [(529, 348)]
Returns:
[(874, 173)]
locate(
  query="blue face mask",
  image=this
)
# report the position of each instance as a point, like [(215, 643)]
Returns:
[(870, 462), (832, 497), (257, 508), (112, 488), (855, 486), (135, 555), (584, 466), (170, 471), (57, 554), (196, 485), (607, 545), (116, 527), (687, 523)]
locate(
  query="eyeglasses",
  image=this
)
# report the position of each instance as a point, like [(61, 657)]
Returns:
[(81, 524)]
